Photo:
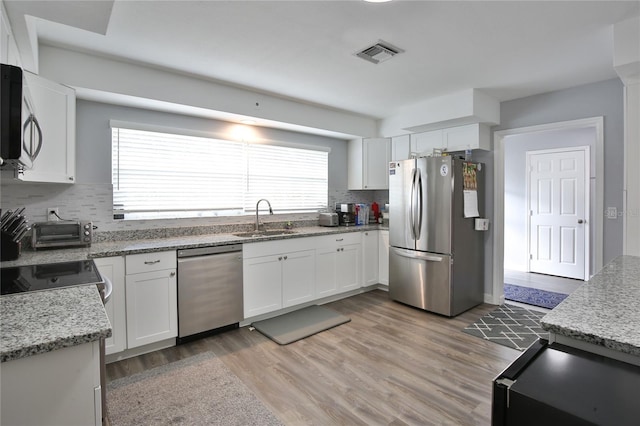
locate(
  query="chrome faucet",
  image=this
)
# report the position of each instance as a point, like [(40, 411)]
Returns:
[(270, 212)]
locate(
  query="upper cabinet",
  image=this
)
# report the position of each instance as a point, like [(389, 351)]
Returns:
[(400, 147), (471, 136), (8, 48), (368, 163), (55, 109)]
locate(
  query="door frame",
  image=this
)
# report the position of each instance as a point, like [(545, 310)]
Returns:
[(498, 193), (586, 200)]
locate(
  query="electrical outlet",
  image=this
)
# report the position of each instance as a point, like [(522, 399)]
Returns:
[(52, 214)]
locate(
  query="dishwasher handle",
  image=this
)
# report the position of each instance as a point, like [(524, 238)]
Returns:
[(204, 251)]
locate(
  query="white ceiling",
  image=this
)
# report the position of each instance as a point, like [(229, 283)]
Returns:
[(304, 50)]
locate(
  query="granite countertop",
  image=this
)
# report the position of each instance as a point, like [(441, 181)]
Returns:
[(148, 245), (43, 321), (605, 311)]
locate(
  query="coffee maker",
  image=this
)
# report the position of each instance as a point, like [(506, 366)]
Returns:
[(346, 214)]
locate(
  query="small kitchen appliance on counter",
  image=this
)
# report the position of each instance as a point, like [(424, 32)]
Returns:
[(328, 219), (346, 214), (64, 233)]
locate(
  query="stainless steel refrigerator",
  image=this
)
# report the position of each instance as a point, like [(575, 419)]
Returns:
[(436, 255)]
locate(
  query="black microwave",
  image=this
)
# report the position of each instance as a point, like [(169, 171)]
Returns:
[(20, 132)]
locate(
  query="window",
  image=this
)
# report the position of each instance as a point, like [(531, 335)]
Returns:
[(169, 175)]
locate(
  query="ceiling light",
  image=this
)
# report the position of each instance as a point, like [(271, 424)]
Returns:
[(377, 1), (248, 121)]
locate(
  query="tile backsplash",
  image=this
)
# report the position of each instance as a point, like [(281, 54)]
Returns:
[(94, 202)]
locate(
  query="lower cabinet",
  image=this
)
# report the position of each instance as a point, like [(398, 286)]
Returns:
[(262, 282), (370, 257), (113, 269), (383, 258), (151, 298), (61, 387), (298, 278)]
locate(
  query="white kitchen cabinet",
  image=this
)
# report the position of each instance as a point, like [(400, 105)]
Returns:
[(55, 109), (298, 283), (370, 254), (9, 53), (383, 258), (262, 285), (400, 147), (460, 138), (424, 143), (113, 269), (472, 136), (61, 387), (151, 298), (338, 263), (368, 163), (277, 274)]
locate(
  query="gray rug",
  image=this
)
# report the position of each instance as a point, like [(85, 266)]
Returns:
[(199, 390), (509, 325), (296, 325)]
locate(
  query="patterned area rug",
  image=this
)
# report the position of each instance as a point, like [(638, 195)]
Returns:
[(533, 296), (509, 325)]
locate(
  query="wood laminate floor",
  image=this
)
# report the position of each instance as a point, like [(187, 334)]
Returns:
[(391, 365)]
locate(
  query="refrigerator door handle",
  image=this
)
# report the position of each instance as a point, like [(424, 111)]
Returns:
[(412, 218), (419, 204), (417, 255)]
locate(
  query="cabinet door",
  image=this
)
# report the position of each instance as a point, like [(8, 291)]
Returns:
[(326, 275), (426, 142), (400, 147), (383, 258), (370, 257), (262, 285), (55, 109), (471, 136), (113, 269), (152, 306), (376, 154), (298, 277), (348, 267)]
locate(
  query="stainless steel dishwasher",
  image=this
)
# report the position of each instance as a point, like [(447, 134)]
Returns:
[(209, 290)]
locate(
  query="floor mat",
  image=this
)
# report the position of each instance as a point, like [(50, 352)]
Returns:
[(296, 325), (533, 296), (510, 326)]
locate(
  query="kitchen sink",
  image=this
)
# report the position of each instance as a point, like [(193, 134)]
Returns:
[(267, 233)]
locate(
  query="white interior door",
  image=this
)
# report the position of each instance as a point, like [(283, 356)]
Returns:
[(558, 187)]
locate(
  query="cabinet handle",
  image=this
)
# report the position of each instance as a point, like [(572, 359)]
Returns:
[(151, 262), (280, 258), (285, 258), (338, 249), (172, 274), (339, 239)]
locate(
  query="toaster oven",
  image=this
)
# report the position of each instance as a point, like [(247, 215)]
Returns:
[(66, 233)]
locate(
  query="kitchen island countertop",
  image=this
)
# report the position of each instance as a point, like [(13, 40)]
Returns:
[(605, 311), (43, 321)]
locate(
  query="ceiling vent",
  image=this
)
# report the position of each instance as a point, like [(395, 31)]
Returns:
[(379, 52)]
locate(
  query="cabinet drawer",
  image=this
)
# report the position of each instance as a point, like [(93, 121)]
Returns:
[(339, 239), (147, 262)]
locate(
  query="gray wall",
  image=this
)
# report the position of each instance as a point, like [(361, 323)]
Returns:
[(91, 197), (592, 100), (515, 192)]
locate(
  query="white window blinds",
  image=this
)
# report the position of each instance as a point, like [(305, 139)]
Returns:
[(166, 175)]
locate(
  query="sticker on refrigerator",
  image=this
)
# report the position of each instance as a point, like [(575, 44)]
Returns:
[(444, 170)]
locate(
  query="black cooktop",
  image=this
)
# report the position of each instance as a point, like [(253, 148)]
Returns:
[(20, 279)]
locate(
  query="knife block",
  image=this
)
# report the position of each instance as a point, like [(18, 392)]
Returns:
[(9, 249)]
